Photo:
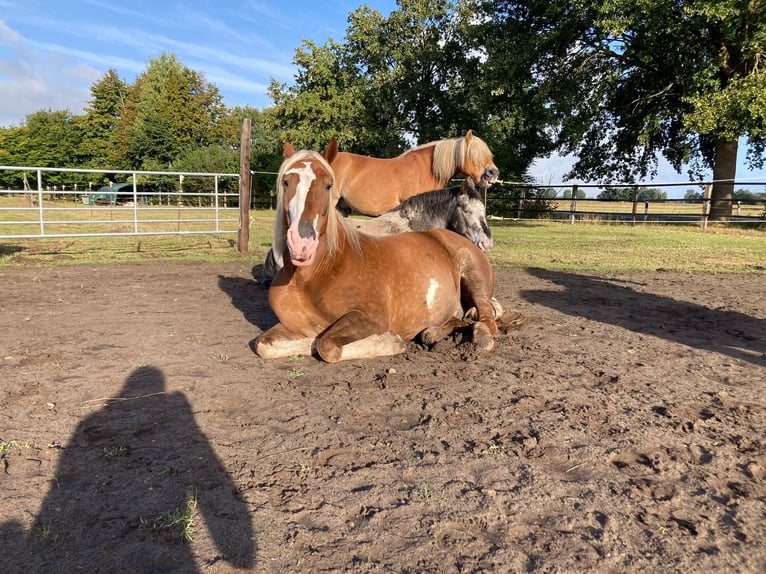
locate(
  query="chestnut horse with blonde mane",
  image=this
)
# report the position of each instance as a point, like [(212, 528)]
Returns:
[(345, 295), (372, 186)]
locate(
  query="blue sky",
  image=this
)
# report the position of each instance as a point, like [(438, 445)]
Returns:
[(51, 51)]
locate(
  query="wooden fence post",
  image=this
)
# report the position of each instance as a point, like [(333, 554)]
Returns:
[(706, 205), (635, 205), (243, 237), (573, 205)]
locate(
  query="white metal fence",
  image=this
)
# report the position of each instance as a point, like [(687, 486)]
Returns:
[(64, 202)]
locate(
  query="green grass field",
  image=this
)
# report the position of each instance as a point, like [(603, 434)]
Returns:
[(617, 247), (602, 247)]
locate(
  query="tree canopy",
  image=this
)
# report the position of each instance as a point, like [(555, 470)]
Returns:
[(630, 80)]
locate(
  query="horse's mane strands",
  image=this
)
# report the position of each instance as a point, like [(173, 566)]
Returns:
[(450, 155), (448, 158), (279, 244), (477, 150)]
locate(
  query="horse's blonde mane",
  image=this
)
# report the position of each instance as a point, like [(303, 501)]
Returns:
[(450, 155), (332, 236)]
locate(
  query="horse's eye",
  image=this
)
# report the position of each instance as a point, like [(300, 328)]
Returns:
[(328, 187), (284, 183)]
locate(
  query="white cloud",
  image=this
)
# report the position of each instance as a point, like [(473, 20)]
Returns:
[(32, 79)]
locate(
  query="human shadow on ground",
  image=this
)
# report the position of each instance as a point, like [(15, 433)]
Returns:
[(250, 297), (132, 475), (615, 302)]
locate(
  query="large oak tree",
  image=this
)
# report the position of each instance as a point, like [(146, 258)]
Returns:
[(628, 80)]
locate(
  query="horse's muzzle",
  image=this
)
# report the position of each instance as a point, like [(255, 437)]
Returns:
[(490, 175), (302, 247), (485, 245)]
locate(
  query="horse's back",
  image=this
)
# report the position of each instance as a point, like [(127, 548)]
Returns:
[(461, 249), (373, 186)]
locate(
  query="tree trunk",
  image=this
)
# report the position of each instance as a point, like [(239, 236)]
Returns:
[(724, 172)]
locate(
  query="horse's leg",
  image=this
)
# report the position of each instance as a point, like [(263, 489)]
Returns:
[(433, 335), (270, 269), (472, 314), (476, 287), (279, 342), (356, 336)]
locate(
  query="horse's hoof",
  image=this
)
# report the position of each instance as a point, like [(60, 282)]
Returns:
[(482, 337), (473, 314), (432, 335)]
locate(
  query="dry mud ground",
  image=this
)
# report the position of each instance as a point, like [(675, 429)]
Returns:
[(621, 429)]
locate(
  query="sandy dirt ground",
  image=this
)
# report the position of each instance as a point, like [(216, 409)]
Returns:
[(620, 429)]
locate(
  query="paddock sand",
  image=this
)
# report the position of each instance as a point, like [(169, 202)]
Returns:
[(620, 429)]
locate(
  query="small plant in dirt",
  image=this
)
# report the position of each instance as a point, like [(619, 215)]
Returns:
[(222, 358), (495, 449), (295, 373), (181, 518), (115, 451), (5, 446), (45, 533)]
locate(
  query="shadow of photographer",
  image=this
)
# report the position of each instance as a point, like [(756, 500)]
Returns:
[(129, 491)]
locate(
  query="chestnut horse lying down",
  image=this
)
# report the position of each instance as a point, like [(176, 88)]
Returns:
[(346, 295), (459, 209)]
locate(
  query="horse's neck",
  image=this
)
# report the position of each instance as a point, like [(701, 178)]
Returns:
[(420, 214), (427, 178)]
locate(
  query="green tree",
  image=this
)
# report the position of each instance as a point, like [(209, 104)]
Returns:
[(170, 110), (627, 80), (11, 149), (413, 65), (519, 45), (628, 193), (102, 115), (321, 104)]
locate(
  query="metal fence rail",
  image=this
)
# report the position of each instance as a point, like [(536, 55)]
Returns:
[(65, 202), (557, 202), (144, 203)]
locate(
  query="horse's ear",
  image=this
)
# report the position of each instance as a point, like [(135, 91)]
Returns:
[(468, 136), (331, 151), (468, 185), (288, 150)]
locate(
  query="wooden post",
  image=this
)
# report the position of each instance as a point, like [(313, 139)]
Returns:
[(706, 205), (520, 210), (243, 238), (635, 205), (573, 205)]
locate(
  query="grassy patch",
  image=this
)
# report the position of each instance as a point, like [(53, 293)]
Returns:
[(120, 249), (619, 247), (181, 520), (599, 247)]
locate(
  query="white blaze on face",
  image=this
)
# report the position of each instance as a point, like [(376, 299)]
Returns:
[(298, 202), (433, 286)]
